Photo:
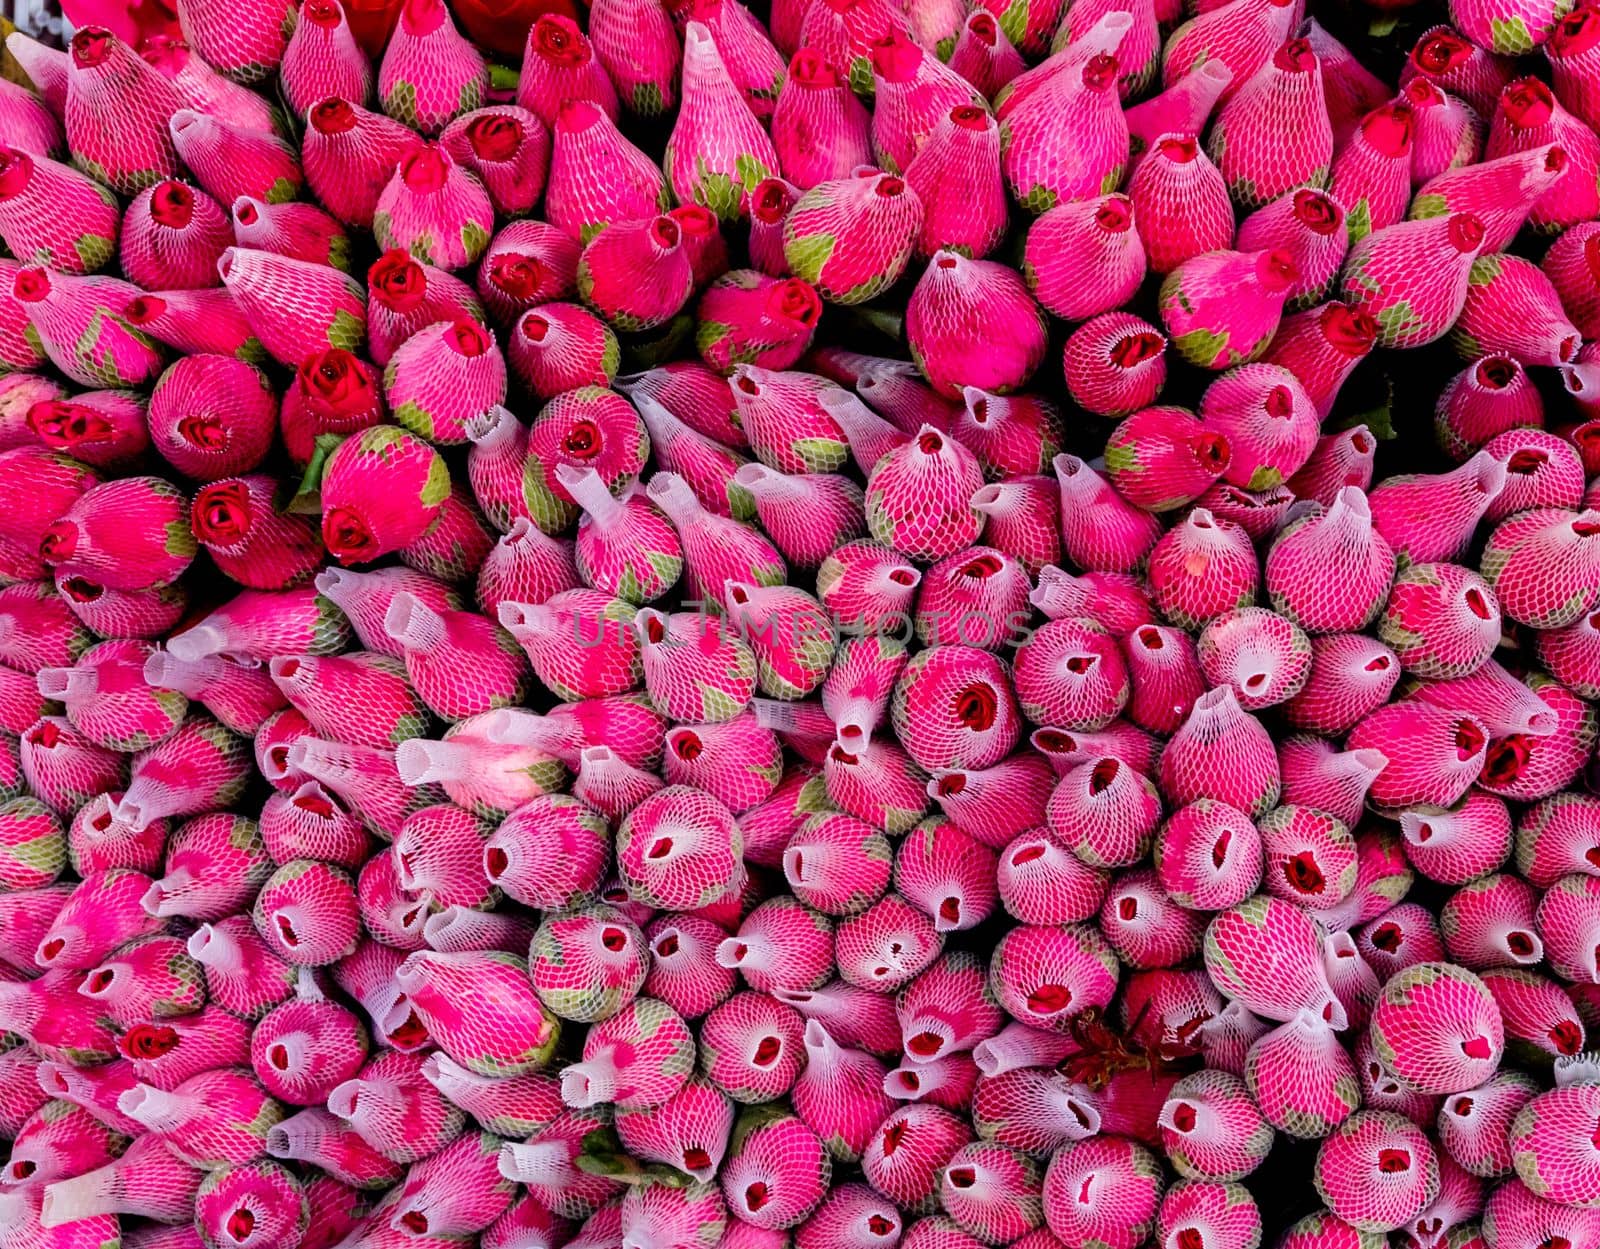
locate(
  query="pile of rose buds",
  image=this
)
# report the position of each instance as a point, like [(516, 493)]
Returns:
[(526, 721)]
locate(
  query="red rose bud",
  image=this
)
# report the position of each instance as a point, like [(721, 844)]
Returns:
[(1490, 397), (430, 74), (124, 613), (246, 42), (746, 317), (1181, 201), (1321, 347), (1528, 116), (381, 490), (914, 90), (250, 540), (527, 263), (299, 231), (1243, 42), (296, 309), (1512, 307), (964, 212), (1384, 276), (444, 376), (116, 112), (195, 322), (323, 58), (1223, 308), (1115, 364), (984, 54), (853, 237), (558, 65), (1371, 178), (172, 236), (769, 207), (1309, 225), (105, 428), (508, 148), (432, 209), (1572, 265), (128, 534), (1458, 65), (1284, 97), (1084, 257), (636, 275), (350, 155), (819, 129), (1062, 135), (597, 177), (638, 46), (404, 295), (953, 298), (62, 309), (457, 544), (229, 160), (19, 349), (754, 64), (333, 392), (212, 416), (590, 427), (558, 347), (51, 214), (1447, 132), (718, 151)]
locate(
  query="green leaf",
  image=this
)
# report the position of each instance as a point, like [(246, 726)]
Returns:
[(281, 191), (1201, 347), (1014, 21), (474, 238), (46, 854), (1121, 458), (719, 193), (307, 500), (1428, 206), (346, 331), (437, 488), (807, 255), (820, 455), (1485, 269), (401, 103), (646, 100), (1395, 322), (422, 247), (741, 503), (413, 416), (668, 568), (861, 81), (708, 334), (93, 251), (1509, 36), (1039, 199), (180, 541), (717, 706), (750, 172), (1359, 220)]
